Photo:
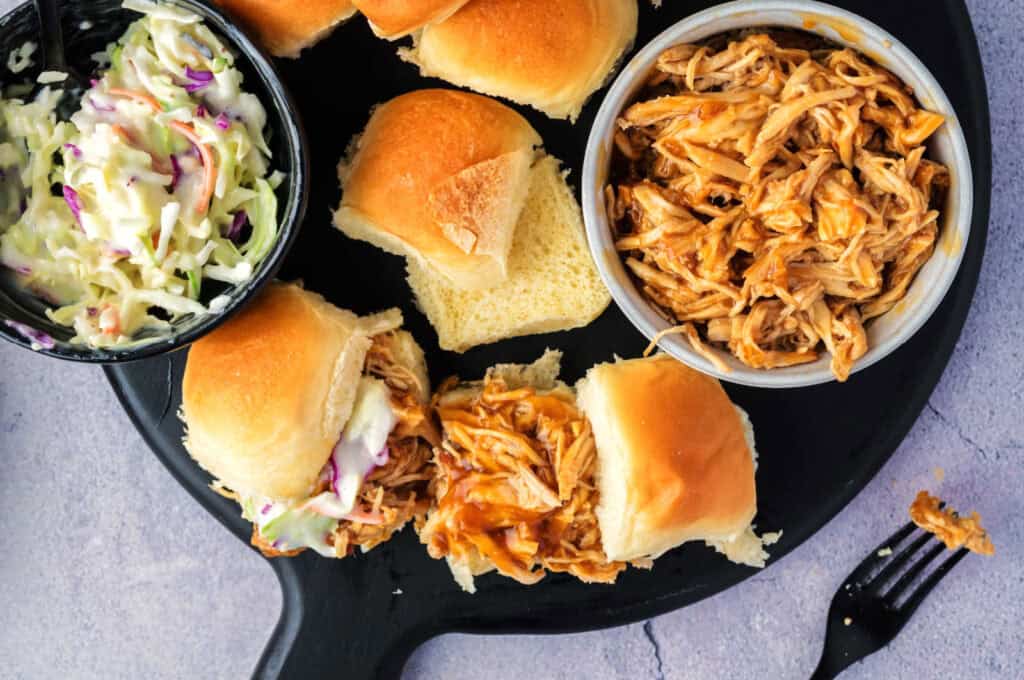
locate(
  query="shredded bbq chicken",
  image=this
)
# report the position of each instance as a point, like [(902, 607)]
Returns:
[(949, 527), (515, 485), (772, 200), (396, 492)]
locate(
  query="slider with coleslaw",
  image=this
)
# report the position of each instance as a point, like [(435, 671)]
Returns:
[(314, 419)]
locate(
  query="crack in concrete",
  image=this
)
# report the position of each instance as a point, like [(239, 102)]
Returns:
[(659, 673), (978, 448)]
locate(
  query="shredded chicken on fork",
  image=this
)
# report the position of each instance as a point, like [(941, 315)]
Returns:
[(771, 200), (953, 529), (515, 486)]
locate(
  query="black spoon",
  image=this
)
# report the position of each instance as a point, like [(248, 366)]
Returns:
[(51, 38)]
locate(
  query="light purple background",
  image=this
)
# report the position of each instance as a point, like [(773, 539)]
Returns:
[(108, 569)]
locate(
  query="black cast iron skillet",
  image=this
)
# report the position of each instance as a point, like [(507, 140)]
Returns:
[(87, 28), (819, 446)]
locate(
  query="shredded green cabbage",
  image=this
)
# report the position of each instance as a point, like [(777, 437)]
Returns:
[(125, 251)]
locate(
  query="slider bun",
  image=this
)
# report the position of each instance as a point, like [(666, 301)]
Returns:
[(286, 27), (674, 462), (409, 354), (552, 282), (266, 395), (541, 375), (393, 19), (440, 176), (549, 55)]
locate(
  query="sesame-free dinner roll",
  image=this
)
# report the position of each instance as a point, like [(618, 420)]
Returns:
[(286, 27), (440, 176), (549, 55)]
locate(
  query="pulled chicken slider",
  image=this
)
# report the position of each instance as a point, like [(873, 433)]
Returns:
[(314, 419)]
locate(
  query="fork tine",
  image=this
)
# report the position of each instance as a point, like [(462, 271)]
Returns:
[(860, 574), (897, 562), (906, 579), (917, 597)]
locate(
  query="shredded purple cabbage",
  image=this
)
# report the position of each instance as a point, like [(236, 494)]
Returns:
[(198, 79), (200, 76), (91, 311), (175, 172), (118, 252), (23, 270), (235, 230), (265, 509), (200, 111), (71, 198), (31, 334), (74, 150), (99, 107), (222, 121), (334, 474)]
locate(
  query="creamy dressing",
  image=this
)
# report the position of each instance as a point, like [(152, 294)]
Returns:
[(361, 448)]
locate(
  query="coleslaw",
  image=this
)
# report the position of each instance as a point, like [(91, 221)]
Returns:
[(310, 523), (164, 183)]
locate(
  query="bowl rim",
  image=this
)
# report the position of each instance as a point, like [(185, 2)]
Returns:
[(840, 26), (296, 143)]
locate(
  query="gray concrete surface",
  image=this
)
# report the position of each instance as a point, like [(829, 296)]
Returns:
[(109, 570)]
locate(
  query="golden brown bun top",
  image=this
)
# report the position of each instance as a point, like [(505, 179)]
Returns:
[(432, 160), (266, 395), (548, 54), (392, 19), (285, 27), (674, 463)]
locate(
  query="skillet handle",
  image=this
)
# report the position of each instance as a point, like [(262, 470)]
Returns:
[(332, 624)]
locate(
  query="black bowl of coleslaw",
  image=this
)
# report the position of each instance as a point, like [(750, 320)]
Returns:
[(88, 28)]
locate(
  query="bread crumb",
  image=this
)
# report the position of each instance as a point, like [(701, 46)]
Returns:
[(50, 77), (885, 552), (939, 473), (20, 58), (847, 621), (396, 591)]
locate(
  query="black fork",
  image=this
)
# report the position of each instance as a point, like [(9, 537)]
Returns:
[(873, 605)]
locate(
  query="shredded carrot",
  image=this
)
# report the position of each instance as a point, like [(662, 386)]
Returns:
[(110, 320), (141, 97), (210, 170), (121, 132)]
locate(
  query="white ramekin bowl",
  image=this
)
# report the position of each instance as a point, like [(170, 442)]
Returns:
[(948, 146)]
